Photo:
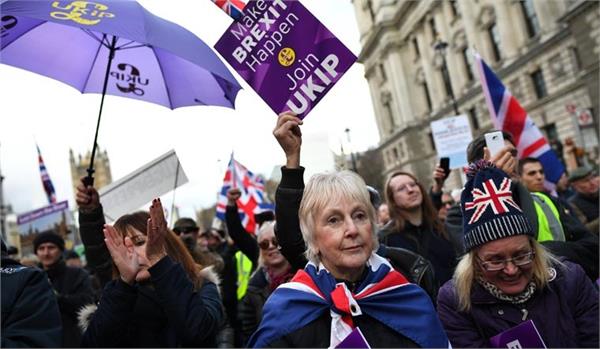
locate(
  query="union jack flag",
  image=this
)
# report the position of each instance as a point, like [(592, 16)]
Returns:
[(46, 182), (234, 8), (252, 200), (508, 115), (492, 197), (384, 295)]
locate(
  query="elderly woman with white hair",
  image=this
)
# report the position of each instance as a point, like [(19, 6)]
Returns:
[(507, 289), (346, 292)]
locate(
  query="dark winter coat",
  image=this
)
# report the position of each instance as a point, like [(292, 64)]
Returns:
[(250, 308), (565, 313), (73, 290), (30, 316), (170, 313)]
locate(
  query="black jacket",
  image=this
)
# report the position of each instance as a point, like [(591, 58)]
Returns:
[(99, 262), (30, 316), (170, 313), (73, 290), (287, 204), (250, 308)]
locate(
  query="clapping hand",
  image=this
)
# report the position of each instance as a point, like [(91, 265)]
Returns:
[(157, 231), (122, 253)]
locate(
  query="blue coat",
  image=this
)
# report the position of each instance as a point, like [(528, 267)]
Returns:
[(565, 313)]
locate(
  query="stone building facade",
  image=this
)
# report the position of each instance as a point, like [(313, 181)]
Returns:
[(545, 51), (79, 165)]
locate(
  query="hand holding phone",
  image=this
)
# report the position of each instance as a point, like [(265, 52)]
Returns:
[(494, 141)]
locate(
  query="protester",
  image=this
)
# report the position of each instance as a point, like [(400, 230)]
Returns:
[(415, 225), (187, 230), (158, 297), (72, 259), (506, 277), (447, 203), (287, 204), (30, 315), (563, 187), (383, 215), (580, 246), (72, 286), (585, 199), (350, 285), (273, 270)]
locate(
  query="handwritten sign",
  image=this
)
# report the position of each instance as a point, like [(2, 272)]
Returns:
[(285, 54)]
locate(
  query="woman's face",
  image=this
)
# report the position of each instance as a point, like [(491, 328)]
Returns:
[(343, 237), (511, 279), (407, 194), (269, 251), (139, 247)]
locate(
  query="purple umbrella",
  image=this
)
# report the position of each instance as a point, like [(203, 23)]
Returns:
[(114, 47)]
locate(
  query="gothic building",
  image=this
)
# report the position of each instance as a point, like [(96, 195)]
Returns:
[(79, 166), (545, 51)]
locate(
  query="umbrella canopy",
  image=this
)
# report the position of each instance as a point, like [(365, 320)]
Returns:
[(154, 60)]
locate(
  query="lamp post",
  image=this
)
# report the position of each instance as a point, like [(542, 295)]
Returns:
[(351, 150), (441, 46)]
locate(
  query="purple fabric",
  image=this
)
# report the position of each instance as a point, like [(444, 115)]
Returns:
[(158, 61)]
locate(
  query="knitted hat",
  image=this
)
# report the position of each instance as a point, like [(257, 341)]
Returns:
[(489, 210), (48, 237)]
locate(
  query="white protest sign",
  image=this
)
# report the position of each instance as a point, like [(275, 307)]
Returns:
[(451, 136), (142, 185)]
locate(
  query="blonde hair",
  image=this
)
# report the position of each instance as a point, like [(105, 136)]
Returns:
[(323, 189), (467, 269)]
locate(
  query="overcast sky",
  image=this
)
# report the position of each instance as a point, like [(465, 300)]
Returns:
[(36, 108)]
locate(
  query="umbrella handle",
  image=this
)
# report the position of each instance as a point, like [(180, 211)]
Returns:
[(89, 179)]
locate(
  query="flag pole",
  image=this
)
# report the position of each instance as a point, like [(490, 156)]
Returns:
[(89, 180)]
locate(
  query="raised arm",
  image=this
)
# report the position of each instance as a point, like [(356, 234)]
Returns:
[(241, 238)]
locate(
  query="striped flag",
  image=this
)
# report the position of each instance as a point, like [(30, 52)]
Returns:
[(46, 182), (234, 8), (252, 200), (508, 115)]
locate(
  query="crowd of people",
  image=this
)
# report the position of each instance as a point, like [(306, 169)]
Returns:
[(336, 264)]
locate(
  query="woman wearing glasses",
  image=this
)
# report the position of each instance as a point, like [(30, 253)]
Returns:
[(273, 270), (506, 278)]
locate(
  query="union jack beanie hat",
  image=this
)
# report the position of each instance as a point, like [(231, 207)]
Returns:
[(489, 210)]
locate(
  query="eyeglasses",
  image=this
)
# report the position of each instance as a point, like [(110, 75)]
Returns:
[(265, 244), (447, 203), (404, 187), (179, 231), (518, 261)]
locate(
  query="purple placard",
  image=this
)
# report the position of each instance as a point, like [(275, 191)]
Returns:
[(288, 57), (355, 339), (524, 335)]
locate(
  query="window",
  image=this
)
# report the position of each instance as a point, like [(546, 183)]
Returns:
[(431, 141), (427, 96), (434, 32), (390, 115), (531, 20), (395, 151), (495, 41), (382, 72), (473, 118), (416, 48), (539, 84), (468, 61), (454, 8)]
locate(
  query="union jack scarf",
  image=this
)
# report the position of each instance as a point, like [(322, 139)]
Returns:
[(384, 295)]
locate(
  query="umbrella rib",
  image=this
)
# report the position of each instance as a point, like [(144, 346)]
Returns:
[(87, 79), (90, 33), (163, 77)]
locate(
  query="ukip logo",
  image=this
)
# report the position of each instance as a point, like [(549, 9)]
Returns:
[(132, 77), (82, 12)]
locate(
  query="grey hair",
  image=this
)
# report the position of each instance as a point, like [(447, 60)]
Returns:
[(323, 189)]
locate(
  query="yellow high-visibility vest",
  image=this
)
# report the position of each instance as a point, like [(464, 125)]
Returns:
[(549, 224), (244, 269)]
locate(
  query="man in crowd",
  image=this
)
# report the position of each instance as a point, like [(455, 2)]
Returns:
[(30, 316), (585, 200), (72, 286)]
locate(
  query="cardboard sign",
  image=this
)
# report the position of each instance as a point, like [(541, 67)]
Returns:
[(451, 136), (525, 335), (142, 185), (288, 57)]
